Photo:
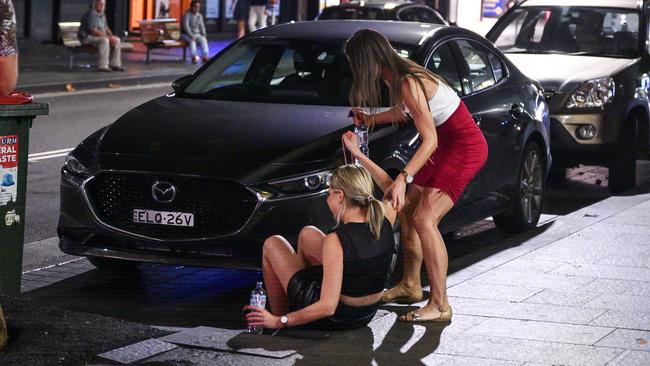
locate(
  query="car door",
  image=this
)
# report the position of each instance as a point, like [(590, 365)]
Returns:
[(443, 62), (495, 101)]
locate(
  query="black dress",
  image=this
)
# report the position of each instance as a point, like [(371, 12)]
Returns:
[(366, 263), (241, 10)]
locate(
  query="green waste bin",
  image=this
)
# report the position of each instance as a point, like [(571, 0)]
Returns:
[(15, 122)]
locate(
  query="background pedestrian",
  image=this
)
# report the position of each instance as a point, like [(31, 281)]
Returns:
[(257, 14), (194, 31), (8, 48), (240, 13), (94, 31)]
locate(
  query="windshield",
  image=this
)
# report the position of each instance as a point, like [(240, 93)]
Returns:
[(570, 30), (342, 12), (278, 71)]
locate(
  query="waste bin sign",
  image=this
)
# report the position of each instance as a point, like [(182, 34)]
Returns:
[(15, 122)]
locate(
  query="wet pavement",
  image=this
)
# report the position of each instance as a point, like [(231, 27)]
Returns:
[(575, 291)]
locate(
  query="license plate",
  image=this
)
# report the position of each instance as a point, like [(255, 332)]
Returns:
[(163, 217)]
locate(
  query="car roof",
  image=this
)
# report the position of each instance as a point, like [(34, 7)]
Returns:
[(630, 4), (383, 5), (410, 33)]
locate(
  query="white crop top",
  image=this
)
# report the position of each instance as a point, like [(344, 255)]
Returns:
[(443, 104)]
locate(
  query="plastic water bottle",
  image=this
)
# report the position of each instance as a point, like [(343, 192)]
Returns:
[(362, 137), (258, 298)]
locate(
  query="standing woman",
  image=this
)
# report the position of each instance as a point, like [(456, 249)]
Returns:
[(240, 14), (452, 151)]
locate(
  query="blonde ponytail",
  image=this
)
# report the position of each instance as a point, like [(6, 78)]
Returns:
[(357, 186)]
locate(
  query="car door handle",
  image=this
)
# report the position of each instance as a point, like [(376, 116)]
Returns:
[(516, 111)]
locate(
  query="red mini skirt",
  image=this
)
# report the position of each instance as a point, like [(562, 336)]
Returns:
[(460, 155)]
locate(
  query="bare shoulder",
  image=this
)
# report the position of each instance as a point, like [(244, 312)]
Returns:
[(413, 85)]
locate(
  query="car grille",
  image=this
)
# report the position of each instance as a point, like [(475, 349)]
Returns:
[(220, 207)]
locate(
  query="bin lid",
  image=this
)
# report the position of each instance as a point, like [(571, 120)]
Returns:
[(20, 110)]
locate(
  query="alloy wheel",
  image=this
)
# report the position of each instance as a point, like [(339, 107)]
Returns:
[(531, 186)]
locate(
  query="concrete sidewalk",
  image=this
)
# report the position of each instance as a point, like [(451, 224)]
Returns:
[(44, 67), (576, 291)]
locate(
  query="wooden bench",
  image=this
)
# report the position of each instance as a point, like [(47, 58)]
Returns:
[(162, 33), (68, 33)]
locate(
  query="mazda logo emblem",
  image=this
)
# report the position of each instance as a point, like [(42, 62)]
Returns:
[(163, 192)]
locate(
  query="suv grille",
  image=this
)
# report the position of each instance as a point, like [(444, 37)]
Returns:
[(220, 207)]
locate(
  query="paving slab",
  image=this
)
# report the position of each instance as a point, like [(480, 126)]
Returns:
[(542, 331), (628, 339), (243, 360), (621, 228), (624, 319), (563, 297), (629, 220), (186, 356), (530, 266), (510, 349), (620, 302), (435, 359), (618, 287), (217, 339), (473, 361), (524, 311), (461, 323), (481, 290), (602, 271), (632, 358), (555, 281), (138, 351)]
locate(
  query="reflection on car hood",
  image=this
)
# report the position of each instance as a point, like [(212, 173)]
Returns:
[(563, 72), (251, 142)]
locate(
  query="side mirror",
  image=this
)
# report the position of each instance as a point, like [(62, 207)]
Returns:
[(180, 84)]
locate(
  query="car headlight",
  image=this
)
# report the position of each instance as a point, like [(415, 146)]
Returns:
[(310, 183), (73, 164), (593, 93)]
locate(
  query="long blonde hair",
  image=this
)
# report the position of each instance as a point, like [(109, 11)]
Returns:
[(368, 51), (357, 186)]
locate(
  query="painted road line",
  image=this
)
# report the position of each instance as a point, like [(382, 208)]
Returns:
[(102, 90), (50, 152), (48, 155)]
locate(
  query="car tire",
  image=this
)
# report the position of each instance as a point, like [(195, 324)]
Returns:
[(622, 168), (528, 194), (111, 264)]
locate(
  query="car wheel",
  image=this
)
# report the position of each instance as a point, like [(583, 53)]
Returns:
[(528, 194), (622, 169), (111, 264)]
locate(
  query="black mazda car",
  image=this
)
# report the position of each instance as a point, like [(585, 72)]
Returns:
[(243, 148)]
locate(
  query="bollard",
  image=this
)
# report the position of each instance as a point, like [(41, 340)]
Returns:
[(15, 122)]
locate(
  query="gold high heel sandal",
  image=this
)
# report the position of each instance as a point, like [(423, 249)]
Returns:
[(413, 317)]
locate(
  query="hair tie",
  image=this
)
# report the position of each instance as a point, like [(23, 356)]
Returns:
[(370, 199)]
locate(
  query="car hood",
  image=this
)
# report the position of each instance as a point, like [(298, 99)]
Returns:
[(249, 142), (563, 73)]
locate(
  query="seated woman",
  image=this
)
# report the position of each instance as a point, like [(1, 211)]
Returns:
[(334, 281)]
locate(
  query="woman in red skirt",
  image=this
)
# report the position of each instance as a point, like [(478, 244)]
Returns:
[(452, 152)]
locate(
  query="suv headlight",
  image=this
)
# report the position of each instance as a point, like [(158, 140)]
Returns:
[(593, 93), (310, 183)]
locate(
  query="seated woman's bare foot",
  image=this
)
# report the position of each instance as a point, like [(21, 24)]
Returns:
[(428, 313), (403, 294)]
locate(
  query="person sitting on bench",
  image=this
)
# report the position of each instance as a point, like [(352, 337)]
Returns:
[(94, 31), (194, 31), (335, 281)]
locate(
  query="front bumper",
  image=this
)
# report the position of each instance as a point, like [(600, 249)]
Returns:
[(569, 150), (82, 233)]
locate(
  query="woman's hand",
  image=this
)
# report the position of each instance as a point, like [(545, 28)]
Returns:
[(260, 317), (351, 143), (359, 116), (396, 194)]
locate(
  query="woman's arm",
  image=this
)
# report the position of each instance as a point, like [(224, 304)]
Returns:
[(329, 295), (395, 114), (379, 175), (416, 101)]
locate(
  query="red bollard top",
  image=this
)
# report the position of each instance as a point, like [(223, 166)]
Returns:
[(16, 98)]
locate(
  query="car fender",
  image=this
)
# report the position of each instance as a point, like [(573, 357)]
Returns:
[(538, 125), (642, 101)]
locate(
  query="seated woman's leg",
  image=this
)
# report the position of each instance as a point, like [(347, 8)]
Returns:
[(279, 263), (310, 246)]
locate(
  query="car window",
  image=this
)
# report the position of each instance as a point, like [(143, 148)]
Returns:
[(478, 64), (343, 12), (497, 66), (569, 30), (442, 63), (410, 14), (279, 71), (429, 16)]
